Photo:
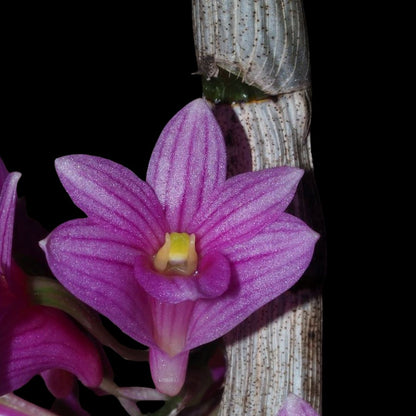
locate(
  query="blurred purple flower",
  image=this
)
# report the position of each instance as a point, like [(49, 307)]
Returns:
[(295, 406), (34, 338), (179, 260)]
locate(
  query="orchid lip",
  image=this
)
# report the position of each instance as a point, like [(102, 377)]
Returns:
[(177, 256)]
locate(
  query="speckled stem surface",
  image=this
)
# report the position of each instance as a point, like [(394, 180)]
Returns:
[(264, 42), (276, 350)]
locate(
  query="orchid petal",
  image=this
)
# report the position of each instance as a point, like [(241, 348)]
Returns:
[(295, 406), (211, 280), (246, 204), (59, 382), (168, 373), (95, 264), (110, 193), (41, 338), (8, 196), (188, 163), (264, 267), (3, 172)]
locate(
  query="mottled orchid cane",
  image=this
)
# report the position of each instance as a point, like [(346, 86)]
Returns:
[(253, 57)]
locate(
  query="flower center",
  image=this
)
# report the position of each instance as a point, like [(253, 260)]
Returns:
[(177, 255)]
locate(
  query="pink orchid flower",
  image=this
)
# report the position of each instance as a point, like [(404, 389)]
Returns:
[(34, 338), (295, 406), (179, 260)]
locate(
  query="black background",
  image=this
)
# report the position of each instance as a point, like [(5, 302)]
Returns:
[(104, 80)]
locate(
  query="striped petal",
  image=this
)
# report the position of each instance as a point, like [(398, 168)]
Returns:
[(8, 196), (3, 172), (188, 163), (246, 204), (40, 338), (110, 193), (264, 267), (96, 264)]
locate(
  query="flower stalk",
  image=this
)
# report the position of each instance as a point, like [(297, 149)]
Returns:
[(12, 405), (128, 396)]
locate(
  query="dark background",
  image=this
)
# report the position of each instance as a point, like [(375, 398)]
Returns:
[(104, 80)]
